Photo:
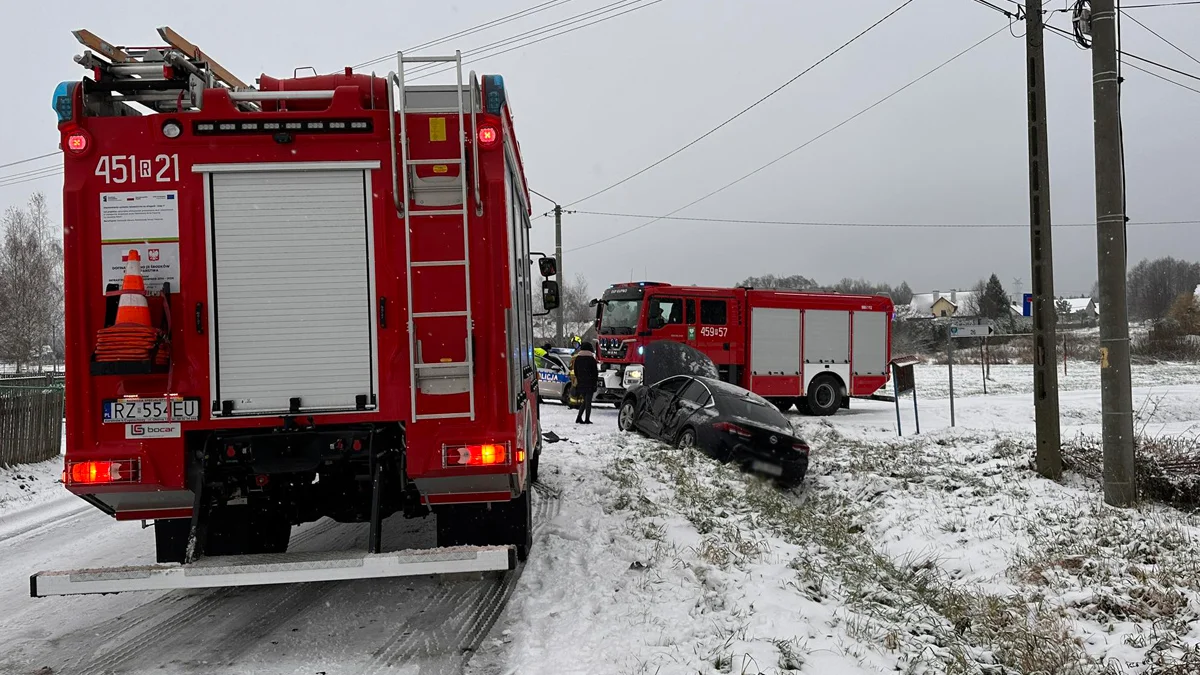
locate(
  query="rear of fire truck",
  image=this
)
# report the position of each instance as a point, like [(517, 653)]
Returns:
[(306, 299)]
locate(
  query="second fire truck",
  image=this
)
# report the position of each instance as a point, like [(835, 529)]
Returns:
[(814, 351)]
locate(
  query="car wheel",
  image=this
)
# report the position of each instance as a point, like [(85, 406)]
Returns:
[(627, 415), (687, 439), (824, 396), (565, 399)]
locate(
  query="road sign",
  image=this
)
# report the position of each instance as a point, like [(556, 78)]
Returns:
[(1027, 305), (974, 331)]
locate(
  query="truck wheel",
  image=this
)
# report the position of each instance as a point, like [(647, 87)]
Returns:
[(802, 406), (784, 404), (533, 464), (824, 396), (170, 539), (504, 524)]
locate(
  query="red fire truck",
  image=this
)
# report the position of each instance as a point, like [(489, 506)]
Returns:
[(814, 351), (339, 275)]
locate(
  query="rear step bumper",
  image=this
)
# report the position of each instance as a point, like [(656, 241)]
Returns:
[(274, 568)]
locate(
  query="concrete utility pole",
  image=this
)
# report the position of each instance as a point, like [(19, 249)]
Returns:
[(1045, 368), (558, 211), (1116, 396)]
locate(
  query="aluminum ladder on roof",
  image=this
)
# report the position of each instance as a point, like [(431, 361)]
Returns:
[(438, 378)]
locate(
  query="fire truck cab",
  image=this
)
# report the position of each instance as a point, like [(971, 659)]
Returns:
[(814, 351), (339, 274)]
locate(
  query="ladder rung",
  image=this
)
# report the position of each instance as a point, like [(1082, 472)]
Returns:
[(445, 416), (437, 212), (434, 315), (427, 162), (428, 59), (437, 366), (439, 263)]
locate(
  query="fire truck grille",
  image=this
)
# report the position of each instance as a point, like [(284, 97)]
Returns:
[(613, 349)]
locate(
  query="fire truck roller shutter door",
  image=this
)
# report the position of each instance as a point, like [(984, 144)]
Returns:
[(775, 352), (292, 289), (826, 345)]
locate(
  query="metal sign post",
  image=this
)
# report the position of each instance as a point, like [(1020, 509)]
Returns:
[(904, 381), (956, 332)]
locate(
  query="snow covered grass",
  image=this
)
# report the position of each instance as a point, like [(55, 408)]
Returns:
[(941, 553)]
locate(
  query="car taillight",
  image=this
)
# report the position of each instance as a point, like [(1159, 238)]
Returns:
[(92, 473), (488, 454), (730, 427), (800, 447)]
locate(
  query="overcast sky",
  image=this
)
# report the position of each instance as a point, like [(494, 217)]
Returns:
[(604, 101)]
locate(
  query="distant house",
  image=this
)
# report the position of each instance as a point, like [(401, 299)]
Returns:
[(937, 304)]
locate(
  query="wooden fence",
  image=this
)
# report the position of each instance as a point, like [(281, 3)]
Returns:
[(31, 418)]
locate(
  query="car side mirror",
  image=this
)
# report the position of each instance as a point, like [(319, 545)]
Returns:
[(550, 299), (548, 267)]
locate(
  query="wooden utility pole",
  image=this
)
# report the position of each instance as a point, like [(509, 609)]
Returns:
[(1045, 370), (1116, 395)]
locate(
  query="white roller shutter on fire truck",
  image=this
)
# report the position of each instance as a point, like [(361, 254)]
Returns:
[(291, 289)]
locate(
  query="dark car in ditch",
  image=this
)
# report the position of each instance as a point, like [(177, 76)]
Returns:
[(722, 420)]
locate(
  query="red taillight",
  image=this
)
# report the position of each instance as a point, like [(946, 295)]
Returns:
[(730, 427), (89, 473), (357, 445), (800, 447), (77, 142), (489, 454), (488, 136)]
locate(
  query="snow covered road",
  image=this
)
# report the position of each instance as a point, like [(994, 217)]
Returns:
[(416, 625)]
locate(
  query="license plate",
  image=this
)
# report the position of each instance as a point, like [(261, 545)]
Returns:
[(124, 411), (766, 468)]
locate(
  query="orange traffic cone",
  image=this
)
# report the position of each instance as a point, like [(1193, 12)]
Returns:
[(133, 309), (132, 337)]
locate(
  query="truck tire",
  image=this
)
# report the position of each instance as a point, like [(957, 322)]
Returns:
[(170, 539), (533, 464), (824, 396), (504, 524)]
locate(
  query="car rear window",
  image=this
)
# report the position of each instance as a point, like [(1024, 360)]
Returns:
[(752, 409)]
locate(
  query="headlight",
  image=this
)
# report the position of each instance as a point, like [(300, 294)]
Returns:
[(635, 374)]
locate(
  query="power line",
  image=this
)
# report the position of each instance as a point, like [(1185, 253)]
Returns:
[(532, 32), (1071, 36), (29, 159), (1160, 37), (803, 145), (630, 8), (1163, 4), (529, 11), (52, 171), (747, 108), (803, 223)]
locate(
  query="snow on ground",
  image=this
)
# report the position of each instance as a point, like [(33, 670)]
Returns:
[(943, 552), (936, 553)]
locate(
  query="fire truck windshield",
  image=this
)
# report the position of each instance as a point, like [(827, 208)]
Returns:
[(620, 317)]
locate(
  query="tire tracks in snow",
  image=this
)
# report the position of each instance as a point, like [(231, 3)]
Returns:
[(463, 613), (131, 641)]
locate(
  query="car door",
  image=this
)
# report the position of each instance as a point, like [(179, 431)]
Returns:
[(665, 319), (552, 377), (684, 408), (658, 403)]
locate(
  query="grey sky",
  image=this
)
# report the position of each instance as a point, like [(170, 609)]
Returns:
[(593, 106)]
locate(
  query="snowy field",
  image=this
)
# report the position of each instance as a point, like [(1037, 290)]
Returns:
[(939, 553)]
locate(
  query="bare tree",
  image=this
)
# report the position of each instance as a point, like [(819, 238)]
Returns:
[(31, 286), (575, 298), (1154, 284)]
